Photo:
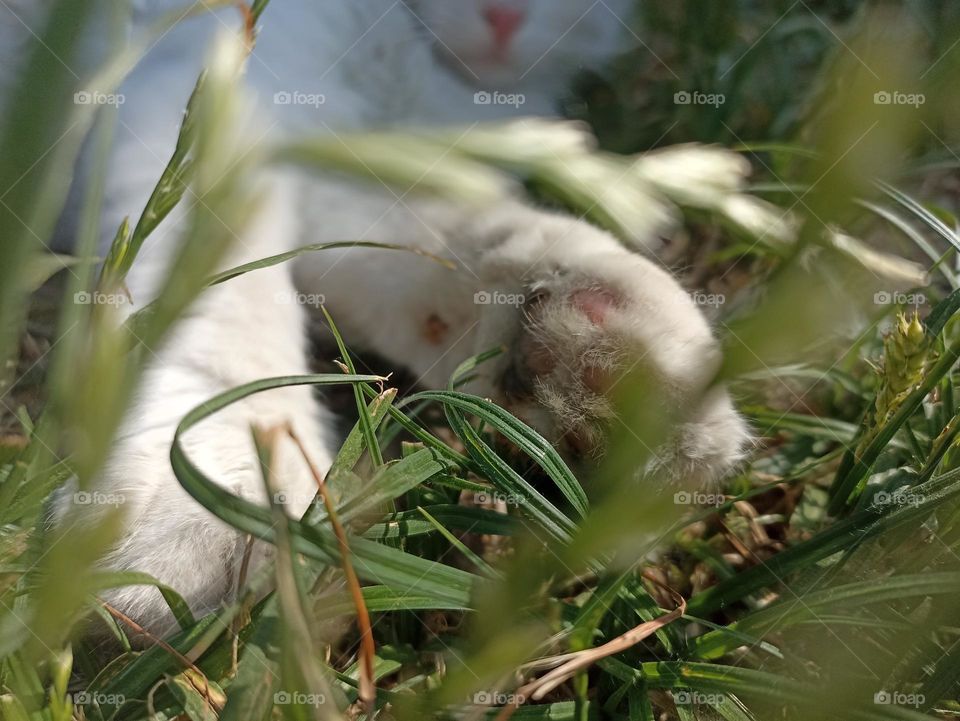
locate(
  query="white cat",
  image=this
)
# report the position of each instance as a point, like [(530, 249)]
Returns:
[(592, 308)]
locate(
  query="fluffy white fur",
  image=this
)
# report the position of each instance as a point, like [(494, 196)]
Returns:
[(593, 309)]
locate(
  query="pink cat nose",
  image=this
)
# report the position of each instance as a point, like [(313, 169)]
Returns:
[(504, 22)]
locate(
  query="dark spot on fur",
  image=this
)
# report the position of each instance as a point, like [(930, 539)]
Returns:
[(435, 329)]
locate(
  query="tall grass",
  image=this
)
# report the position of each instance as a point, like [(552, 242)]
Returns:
[(820, 583)]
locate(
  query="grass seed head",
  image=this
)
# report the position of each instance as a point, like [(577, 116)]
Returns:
[(906, 351)]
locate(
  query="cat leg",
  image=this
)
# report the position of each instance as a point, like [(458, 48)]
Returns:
[(577, 312), (236, 332)]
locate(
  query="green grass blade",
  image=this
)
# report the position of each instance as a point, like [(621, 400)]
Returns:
[(528, 440), (373, 561), (366, 424)]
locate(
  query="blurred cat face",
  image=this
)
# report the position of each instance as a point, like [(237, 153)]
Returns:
[(504, 43)]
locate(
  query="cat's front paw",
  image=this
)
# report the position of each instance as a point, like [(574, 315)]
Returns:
[(594, 320)]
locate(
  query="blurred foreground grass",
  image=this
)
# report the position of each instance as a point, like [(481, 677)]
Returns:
[(821, 583)]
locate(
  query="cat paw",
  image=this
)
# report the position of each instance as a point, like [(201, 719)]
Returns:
[(594, 320)]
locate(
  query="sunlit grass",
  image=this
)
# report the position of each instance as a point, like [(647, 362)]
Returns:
[(819, 583)]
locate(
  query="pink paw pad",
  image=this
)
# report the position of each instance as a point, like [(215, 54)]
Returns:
[(595, 303)]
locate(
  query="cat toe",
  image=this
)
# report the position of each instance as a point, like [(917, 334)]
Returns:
[(582, 346)]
